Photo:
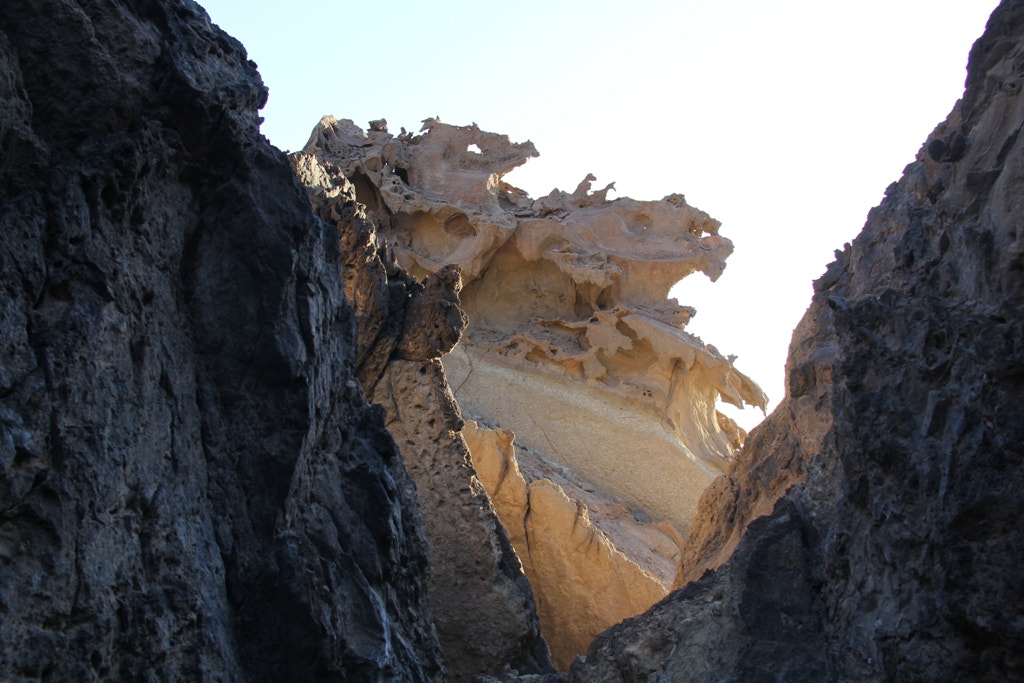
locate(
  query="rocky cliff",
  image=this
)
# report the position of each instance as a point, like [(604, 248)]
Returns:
[(891, 473), (571, 350), (192, 484), (590, 561)]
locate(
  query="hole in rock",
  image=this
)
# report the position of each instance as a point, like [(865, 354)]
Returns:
[(366, 191), (472, 148), (459, 226), (605, 300), (638, 223)]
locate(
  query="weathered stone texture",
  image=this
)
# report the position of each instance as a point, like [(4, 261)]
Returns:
[(583, 579), (898, 556), (192, 486), (571, 343), (485, 611), (567, 292)]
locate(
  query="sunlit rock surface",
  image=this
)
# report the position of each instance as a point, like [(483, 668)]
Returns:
[(591, 562), (571, 344), (889, 479), (194, 487)]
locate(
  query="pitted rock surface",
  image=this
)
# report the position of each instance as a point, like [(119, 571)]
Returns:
[(192, 485), (571, 345)]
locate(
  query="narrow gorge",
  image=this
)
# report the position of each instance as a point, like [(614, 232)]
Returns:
[(368, 412)]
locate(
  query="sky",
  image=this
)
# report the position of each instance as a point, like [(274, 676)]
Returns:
[(785, 120)]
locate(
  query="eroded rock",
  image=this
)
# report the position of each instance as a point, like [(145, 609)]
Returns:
[(571, 342), (583, 579), (483, 605)]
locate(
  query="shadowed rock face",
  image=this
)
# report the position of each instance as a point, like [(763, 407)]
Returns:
[(192, 485), (896, 553)]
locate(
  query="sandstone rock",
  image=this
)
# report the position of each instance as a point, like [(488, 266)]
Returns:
[(571, 342), (895, 554), (571, 286), (192, 485), (483, 605), (582, 581)]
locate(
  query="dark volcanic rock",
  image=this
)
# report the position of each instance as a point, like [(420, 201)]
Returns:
[(896, 553), (192, 485)]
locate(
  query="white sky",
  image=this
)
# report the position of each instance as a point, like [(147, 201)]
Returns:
[(785, 120)]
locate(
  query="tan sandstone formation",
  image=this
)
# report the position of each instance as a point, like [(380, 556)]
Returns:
[(571, 344), (591, 563)]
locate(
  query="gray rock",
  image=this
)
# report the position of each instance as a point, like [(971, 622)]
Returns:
[(192, 485)]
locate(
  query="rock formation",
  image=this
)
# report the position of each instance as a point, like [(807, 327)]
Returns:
[(571, 344), (895, 552), (192, 485), (585, 579), (483, 605)]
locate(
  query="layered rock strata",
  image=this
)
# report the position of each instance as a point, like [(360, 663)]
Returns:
[(895, 553), (571, 342), (192, 484), (591, 562), (483, 605)]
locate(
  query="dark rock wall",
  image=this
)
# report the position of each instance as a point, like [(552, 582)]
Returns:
[(899, 555), (192, 486)]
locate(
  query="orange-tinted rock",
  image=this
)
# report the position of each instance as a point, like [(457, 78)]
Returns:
[(582, 577), (571, 345)]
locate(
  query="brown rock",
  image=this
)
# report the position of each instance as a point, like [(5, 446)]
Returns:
[(484, 608), (775, 456), (582, 581), (434, 321), (571, 342)]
